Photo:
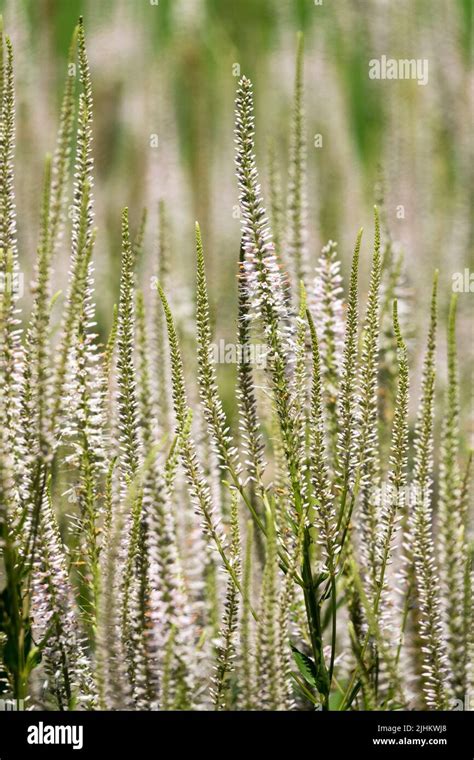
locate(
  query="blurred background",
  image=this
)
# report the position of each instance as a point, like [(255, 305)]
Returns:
[(164, 76)]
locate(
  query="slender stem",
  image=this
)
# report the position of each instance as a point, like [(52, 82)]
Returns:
[(334, 628)]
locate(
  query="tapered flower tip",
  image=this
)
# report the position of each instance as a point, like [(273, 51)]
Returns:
[(197, 235), (245, 82)]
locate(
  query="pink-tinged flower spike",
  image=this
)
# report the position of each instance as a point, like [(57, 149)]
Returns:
[(433, 645), (264, 278)]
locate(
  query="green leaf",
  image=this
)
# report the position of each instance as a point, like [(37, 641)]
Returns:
[(306, 667), (33, 660)]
